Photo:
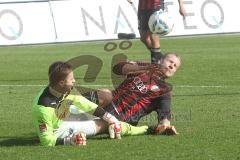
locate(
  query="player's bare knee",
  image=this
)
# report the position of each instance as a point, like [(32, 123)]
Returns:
[(155, 42), (104, 97)]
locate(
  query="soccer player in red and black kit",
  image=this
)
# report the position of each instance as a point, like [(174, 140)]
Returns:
[(143, 91), (145, 9)]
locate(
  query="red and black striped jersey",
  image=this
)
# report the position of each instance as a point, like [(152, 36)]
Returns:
[(150, 4), (133, 96)]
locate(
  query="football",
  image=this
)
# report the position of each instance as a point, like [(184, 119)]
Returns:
[(160, 23)]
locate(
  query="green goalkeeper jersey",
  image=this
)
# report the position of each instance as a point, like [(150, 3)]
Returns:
[(49, 112)]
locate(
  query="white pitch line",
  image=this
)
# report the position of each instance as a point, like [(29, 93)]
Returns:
[(189, 86), (42, 85), (21, 85), (101, 86)]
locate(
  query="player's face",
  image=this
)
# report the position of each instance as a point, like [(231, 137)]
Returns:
[(171, 63), (69, 82)]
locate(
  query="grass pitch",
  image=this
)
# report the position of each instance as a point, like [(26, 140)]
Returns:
[(205, 105)]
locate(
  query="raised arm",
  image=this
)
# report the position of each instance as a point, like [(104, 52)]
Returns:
[(124, 68), (181, 8)]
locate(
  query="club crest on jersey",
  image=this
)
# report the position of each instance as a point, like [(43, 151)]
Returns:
[(42, 127), (155, 88)]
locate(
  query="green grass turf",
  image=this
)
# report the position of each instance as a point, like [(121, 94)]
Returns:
[(206, 101)]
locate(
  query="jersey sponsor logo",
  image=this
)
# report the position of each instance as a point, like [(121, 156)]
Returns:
[(42, 127), (139, 85)]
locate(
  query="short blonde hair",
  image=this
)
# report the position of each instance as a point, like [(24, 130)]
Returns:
[(173, 54)]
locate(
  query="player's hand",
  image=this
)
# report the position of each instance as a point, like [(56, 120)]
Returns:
[(114, 127), (163, 130), (114, 130), (166, 130), (183, 12), (78, 139), (130, 1)]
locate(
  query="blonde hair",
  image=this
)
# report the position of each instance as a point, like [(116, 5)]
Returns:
[(171, 54)]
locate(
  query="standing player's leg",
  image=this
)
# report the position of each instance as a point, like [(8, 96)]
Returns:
[(156, 53), (155, 49), (150, 40), (146, 39)]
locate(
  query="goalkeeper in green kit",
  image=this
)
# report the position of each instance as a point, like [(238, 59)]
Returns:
[(56, 113)]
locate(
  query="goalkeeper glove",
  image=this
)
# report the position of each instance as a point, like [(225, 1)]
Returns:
[(114, 127), (114, 130), (76, 139)]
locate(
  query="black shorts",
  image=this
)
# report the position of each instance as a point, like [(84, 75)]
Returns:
[(91, 96), (144, 15)]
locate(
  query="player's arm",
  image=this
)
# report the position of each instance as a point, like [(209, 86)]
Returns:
[(130, 1), (43, 124), (124, 68), (181, 8), (164, 116), (163, 110)]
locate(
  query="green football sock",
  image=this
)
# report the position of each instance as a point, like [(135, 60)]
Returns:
[(129, 130)]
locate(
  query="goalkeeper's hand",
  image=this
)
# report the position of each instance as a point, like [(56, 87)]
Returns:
[(114, 127), (114, 130), (163, 130), (78, 139)]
